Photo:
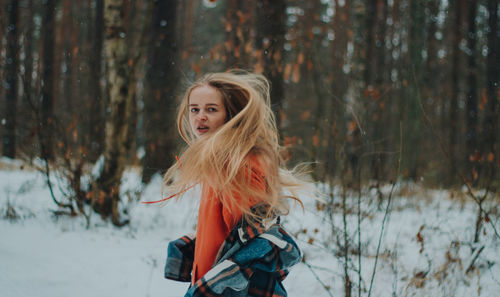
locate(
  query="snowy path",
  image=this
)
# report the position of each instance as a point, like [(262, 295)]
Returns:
[(41, 261)]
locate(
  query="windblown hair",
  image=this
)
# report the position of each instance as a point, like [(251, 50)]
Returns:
[(222, 159)]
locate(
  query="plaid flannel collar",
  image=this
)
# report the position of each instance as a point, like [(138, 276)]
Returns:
[(242, 233)]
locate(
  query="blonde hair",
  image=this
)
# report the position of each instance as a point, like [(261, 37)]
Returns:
[(221, 160)]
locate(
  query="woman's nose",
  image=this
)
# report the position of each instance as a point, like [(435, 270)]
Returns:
[(202, 116)]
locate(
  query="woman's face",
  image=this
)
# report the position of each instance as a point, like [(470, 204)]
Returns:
[(207, 112)]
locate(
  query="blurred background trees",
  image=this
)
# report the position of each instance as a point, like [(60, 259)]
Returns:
[(353, 84)]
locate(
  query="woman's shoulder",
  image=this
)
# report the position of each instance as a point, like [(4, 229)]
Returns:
[(258, 162), (262, 158)]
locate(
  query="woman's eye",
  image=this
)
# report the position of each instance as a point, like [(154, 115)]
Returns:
[(211, 109), (194, 109)]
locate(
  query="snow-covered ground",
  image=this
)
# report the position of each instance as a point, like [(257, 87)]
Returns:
[(425, 249)]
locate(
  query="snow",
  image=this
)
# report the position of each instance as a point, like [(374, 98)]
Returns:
[(42, 254)]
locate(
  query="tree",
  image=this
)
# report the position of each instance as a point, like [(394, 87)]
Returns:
[(377, 91), (119, 78), (160, 100), (26, 122), (414, 77), (336, 132), (47, 101), (455, 86), (9, 138), (269, 40), (471, 92), (490, 133), (431, 78), (95, 118)]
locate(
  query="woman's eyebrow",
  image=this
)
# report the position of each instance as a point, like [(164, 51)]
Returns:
[(195, 104)]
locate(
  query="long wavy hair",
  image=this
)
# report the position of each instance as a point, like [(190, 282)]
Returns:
[(222, 159)]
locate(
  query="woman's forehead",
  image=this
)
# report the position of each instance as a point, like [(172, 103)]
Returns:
[(204, 95)]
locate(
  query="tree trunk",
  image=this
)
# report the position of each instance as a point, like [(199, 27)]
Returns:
[(371, 18), (471, 96), (2, 65), (372, 78), (432, 79), (187, 26), (311, 69), (395, 66), (336, 132), (28, 52), (378, 136), (160, 101), (64, 54), (306, 89), (9, 138), (70, 49), (414, 78), (269, 40), (47, 103), (490, 133), (26, 121), (455, 89), (431, 82), (119, 80), (96, 119)]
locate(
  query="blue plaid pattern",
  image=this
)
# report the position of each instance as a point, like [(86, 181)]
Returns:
[(252, 261)]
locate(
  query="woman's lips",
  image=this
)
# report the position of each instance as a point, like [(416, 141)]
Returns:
[(202, 129)]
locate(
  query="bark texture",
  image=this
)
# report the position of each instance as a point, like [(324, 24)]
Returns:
[(47, 102), (95, 133), (160, 101), (9, 137), (269, 40), (119, 80)]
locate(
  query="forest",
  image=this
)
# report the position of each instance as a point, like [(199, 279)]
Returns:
[(382, 99)]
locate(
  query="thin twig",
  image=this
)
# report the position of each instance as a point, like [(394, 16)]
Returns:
[(347, 282), (359, 241), (474, 258), (325, 269), (387, 208), (318, 279), (492, 275), (363, 132)]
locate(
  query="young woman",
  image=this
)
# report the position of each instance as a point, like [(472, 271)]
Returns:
[(239, 248)]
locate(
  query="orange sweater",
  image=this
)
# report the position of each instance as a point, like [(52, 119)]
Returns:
[(215, 222)]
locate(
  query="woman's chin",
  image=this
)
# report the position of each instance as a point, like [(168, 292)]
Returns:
[(201, 134)]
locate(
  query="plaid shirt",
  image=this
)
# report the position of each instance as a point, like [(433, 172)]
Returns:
[(252, 261)]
